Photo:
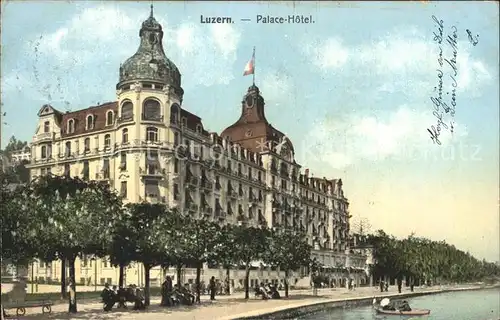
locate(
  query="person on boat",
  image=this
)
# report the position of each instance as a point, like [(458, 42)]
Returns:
[(390, 306), (404, 306)]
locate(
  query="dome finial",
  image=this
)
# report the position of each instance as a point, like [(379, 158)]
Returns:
[(151, 10)]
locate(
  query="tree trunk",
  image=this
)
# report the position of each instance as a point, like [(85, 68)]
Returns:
[(122, 275), (286, 283), (247, 278), (72, 308), (1, 305), (228, 276), (198, 278), (179, 271), (147, 268), (63, 279)]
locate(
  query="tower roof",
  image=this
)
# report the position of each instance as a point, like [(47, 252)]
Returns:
[(150, 63), (252, 128)]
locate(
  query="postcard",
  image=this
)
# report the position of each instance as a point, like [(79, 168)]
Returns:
[(164, 153)]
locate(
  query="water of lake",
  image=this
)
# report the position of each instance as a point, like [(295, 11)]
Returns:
[(465, 305)]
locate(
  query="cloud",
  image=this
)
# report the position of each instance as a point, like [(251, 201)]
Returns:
[(105, 36), (327, 54), (405, 55), (400, 135), (196, 50), (276, 86)]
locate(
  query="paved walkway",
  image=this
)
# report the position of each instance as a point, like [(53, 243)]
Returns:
[(224, 308)]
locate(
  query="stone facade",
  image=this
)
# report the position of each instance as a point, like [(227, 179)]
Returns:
[(149, 148)]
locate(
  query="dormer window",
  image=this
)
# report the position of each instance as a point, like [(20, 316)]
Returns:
[(90, 122), (71, 126), (46, 126), (110, 118), (184, 122), (198, 128)]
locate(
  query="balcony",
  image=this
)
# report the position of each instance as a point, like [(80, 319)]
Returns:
[(233, 194), (127, 118), (151, 118), (192, 207), (207, 186), (192, 182), (102, 176), (43, 137), (155, 199), (221, 215), (151, 172), (206, 208)]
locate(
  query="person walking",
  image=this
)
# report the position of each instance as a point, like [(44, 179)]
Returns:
[(213, 288)]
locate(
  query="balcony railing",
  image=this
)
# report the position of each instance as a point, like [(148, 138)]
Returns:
[(192, 207), (126, 118), (152, 171), (156, 118), (46, 136), (207, 186)]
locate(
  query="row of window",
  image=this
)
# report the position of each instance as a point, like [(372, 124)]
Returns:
[(151, 111)]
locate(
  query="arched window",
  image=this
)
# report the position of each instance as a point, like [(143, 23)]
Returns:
[(71, 126), (86, 145), (174, 113), (107, 141), (43, 152), (90, 122), (109, 118), (125, 135), (151, 110), (67, 151), (127, 111), (151, 134), (198, 128)]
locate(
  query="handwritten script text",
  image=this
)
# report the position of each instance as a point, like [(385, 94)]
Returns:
[(444, 97)]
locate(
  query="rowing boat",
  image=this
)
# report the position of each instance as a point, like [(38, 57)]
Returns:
[(421, 312)]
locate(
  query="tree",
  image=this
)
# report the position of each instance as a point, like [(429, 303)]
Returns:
[(288, 250), (74, 217), (149, 225), (251, 243), (197, 240), (225, 252), (122, 249)]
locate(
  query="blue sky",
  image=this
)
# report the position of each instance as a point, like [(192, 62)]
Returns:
[(352, 91)]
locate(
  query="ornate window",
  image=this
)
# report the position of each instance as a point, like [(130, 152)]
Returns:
[(107, 141), (90, 122), (151, 110), (46, 126), (70, 126), (174, 113), (151, 134), (109, 118), (198, 128), (176, 139), (67, 151), (43, 152), (127, 111), (86, 145), (125, 135)]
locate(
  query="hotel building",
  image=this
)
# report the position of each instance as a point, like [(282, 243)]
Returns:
[(150, 148)]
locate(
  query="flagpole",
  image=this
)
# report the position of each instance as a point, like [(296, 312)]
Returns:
[(253, 75)]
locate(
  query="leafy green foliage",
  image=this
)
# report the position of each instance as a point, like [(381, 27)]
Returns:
[(424, 259), (288, 250)]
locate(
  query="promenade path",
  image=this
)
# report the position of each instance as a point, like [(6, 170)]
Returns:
[(224, 308)]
